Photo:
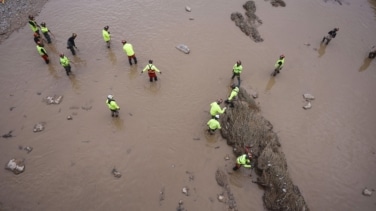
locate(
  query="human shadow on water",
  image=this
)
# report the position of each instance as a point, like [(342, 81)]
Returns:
[(365, 65), (270, 83), (210, 138), (321, 50)]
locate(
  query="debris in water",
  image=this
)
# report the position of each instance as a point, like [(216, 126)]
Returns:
[(180, 206), (308, 97), (161, 195), (188, 9), (17, 166), (196, 139), (28, 149), (227, 157), (308, 106), (191, 18), (11, 108), (185, 191), (8, 135), (56, 99), (221, 198), (39, 127), (69, 117), (183, 48), (368, 192), (116, 173)]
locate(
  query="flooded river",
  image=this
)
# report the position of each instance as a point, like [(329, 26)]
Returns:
[(158, 141)]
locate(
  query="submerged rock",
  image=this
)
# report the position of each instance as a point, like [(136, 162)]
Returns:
[(39, 127), (183, 48), (17, 166), (188, 9)]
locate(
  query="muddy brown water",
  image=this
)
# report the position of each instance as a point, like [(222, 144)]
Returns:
[(330, 149)]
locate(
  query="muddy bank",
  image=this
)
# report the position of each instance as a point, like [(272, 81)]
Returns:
[(14, 15), (245, 129)]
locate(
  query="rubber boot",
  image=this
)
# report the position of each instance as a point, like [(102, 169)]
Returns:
[(156, 78), (130, 61), (135, 60)]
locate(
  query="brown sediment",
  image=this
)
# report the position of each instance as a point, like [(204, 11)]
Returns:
[(245, 128), (15, 14)]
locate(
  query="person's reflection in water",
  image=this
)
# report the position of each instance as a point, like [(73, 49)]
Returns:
[(119, 123), (112, 57), (78, 61), (75, 82), (365, 65), (133, 72), (270, 84), (52, 71), (154, 87), (321, 50)]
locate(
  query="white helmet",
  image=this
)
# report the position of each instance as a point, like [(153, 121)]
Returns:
[(110, 97), (217, 116)]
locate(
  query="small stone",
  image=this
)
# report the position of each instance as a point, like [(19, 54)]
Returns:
[(191, 18), (188, 9), (69, 117)]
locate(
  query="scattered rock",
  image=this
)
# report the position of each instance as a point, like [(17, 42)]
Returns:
[(308, 106), (116, 173), (367, 192), (185, 191), (39, 127), (17, 166), (183, 48), (308, 96), (69, 117), (191, 18), (8, 135), (188, 9), (56, 99)]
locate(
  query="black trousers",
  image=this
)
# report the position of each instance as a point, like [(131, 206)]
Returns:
[(68, 69)]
